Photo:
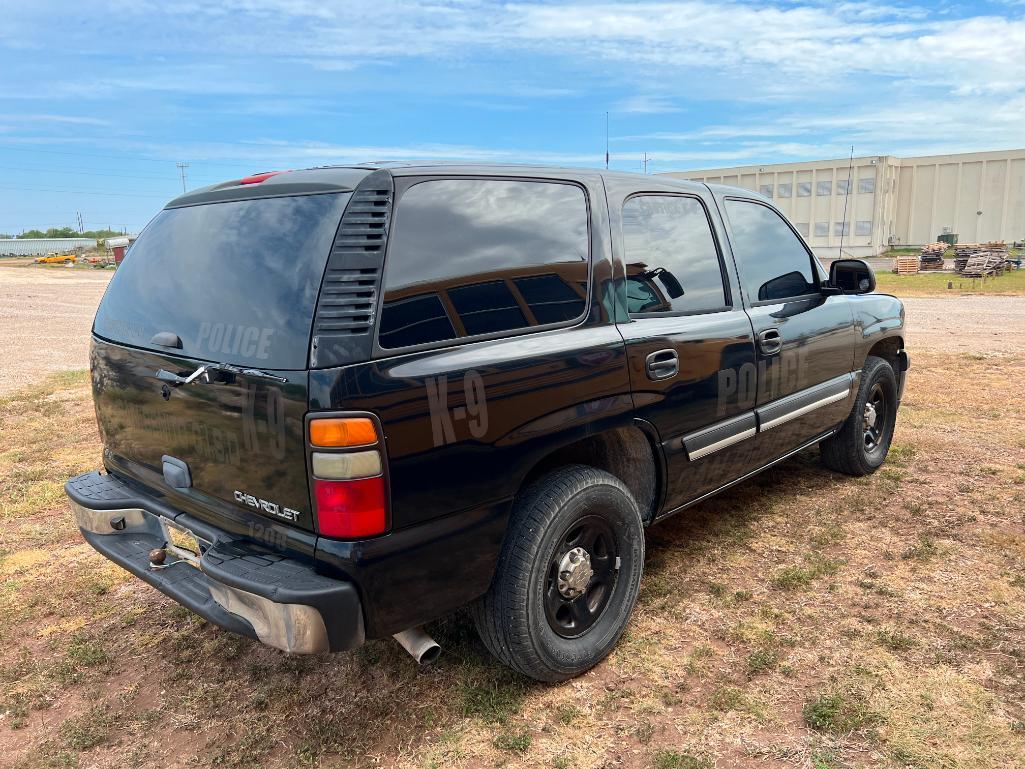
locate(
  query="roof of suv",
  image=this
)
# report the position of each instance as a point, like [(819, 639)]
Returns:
[(347, 178)]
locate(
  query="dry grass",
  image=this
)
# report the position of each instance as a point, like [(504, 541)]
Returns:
[(1011, 283), (804, 619)]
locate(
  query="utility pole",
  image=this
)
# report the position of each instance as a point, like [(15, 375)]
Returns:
[(645, 162), (181, 167), (81, 229), (847, 194)]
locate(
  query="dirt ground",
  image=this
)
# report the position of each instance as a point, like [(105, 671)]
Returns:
[(45, 316), (804, 619)]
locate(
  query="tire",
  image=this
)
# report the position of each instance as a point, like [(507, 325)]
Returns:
[(526, 619), (852, 450)]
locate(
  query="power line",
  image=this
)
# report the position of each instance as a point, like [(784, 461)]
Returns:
[(86, 192)]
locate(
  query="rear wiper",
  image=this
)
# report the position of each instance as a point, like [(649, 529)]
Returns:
[(202, 374)]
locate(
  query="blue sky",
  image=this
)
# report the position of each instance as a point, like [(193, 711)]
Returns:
[(98, 100)]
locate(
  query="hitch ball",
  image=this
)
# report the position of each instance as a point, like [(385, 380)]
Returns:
[(157, 556)]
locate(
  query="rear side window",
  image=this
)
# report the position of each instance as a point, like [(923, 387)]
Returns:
[(469, 257), (672, 263), (237, 282), (773, 262)]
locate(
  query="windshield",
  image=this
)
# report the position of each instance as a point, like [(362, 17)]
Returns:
[(235, 282)]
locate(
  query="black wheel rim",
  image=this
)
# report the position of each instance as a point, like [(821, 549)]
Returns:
[(572, 616), (874, 419)]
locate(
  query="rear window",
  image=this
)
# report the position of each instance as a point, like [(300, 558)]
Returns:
[(237, 282), (471, 257)]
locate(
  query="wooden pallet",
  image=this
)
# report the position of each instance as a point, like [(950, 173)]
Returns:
[(906, 265)]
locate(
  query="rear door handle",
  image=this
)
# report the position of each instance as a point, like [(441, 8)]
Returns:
[(770, 341), (663, 364)]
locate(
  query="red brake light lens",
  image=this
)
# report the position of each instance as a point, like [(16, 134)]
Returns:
[(257, 178), (351, 509)]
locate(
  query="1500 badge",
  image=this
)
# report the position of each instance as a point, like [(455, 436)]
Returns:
[(267, 507)]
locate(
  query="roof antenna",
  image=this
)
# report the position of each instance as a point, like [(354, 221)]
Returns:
[(606, 140), (847, 194)]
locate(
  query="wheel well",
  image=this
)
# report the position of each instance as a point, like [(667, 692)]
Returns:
[(887, 349), (625, 452)]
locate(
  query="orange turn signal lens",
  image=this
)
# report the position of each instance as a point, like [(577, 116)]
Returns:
[(349, 431)]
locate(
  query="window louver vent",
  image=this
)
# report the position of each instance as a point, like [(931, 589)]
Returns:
[(342, 329)]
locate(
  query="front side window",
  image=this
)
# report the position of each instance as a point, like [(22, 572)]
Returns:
[(672, 263), (773, 263), (483, 256)]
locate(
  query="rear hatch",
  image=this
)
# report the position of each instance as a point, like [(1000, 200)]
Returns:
[(231, 286)]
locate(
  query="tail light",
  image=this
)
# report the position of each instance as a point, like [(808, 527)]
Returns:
[(349, 488)]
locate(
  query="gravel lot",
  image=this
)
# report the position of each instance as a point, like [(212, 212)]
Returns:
[(46, 315)]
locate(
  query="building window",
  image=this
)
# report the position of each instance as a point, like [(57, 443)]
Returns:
[(766, 190), (841, 228), (863, 227), (843, 186), (867, 185), (821, 229), (824, 188), (785, 190), (804, 189), (803, 228)]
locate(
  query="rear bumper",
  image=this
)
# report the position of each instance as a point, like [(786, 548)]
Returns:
[(238, 586)]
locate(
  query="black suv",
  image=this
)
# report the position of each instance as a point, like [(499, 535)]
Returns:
[(341, 402)]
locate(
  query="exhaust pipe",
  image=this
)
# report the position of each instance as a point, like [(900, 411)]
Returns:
[(420, 646)]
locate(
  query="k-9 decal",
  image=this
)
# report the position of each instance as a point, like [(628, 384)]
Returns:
[(474, 410)]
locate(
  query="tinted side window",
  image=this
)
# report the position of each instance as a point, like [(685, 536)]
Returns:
[(480, 256), (672, 264), (772, 261)]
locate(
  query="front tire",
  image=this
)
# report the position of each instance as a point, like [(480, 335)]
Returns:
[(861, 445), (568, 576)]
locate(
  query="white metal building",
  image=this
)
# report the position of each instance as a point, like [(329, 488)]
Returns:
[(42, 246), (891, 201)]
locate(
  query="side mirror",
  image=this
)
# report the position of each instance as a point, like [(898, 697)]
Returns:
[(852, 276), (671, 284)]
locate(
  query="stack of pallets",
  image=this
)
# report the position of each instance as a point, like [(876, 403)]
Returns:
[(962, 253), (906, 265), (931, 257), (986, 263)]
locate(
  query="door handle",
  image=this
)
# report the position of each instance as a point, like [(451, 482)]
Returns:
[(770, 341), (663, 364)]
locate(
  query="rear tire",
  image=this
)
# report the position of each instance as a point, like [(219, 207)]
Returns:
[(861, 445), (552, 613)]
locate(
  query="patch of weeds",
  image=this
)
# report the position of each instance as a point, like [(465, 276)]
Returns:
[(88, 730), (831, 534), (797, 577), (561, 762), (513, 740), (493, 699), (900, 454), (82, 651), (896, 640), (762, 660), (566, 713), (891, 475), (680, 759), (644, 731), (727, 698), (964, 488), (923, 550), (837, 713), (717, 589), (915, 508), (825, 760)]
